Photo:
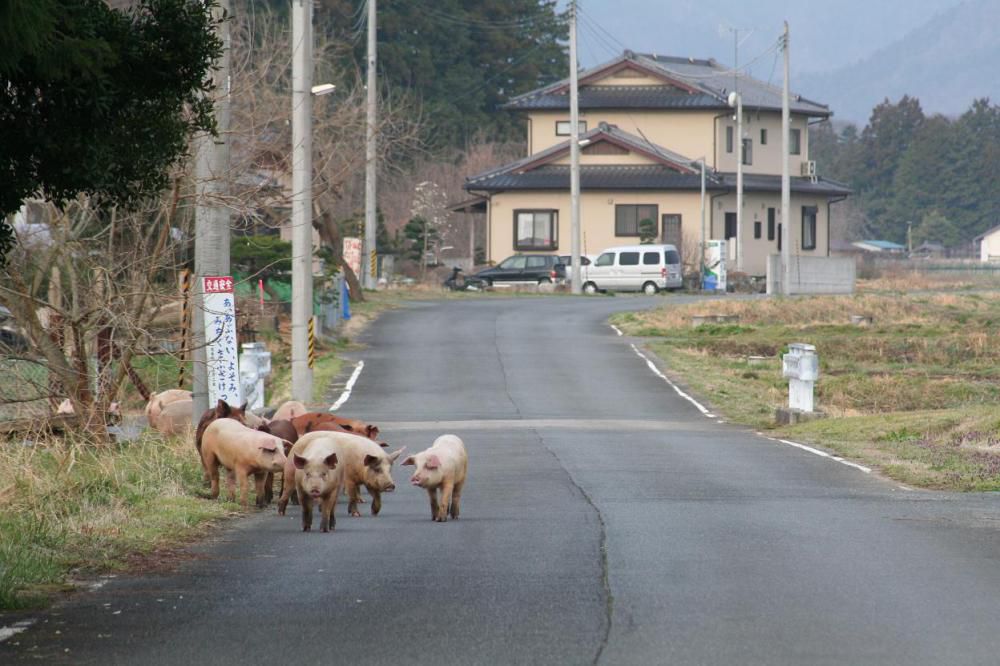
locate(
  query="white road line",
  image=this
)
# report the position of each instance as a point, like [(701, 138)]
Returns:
[(656, 371), (824, 454), (616, 329), (15, 629), (350, 386)]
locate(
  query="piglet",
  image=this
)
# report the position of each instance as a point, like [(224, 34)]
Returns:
[(443, 466), (312, 464), (160, 400), (243, 451), (174, 418)]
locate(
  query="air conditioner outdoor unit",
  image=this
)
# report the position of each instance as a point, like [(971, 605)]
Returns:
[(808, 168)]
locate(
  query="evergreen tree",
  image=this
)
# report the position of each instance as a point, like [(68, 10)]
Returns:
[(884, 141)]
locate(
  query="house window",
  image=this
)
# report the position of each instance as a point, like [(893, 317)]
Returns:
[(747, 151), (628, 218), (671, 229), (779, 238), (730, 225), (563, 127), (536, 229), (809, 227), (795, 142), (770, 224), (729, 138), (763, 137), (756, 229)]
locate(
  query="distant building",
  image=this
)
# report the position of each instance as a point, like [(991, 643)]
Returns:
[(880, 246), (989, 244), (928, 250)]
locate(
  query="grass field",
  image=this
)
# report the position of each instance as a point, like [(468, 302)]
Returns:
[(914, 395)]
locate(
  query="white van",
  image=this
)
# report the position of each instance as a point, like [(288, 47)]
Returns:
[(646, 268)]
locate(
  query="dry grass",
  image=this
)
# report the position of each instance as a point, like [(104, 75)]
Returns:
[(68, 507), (926, 355)]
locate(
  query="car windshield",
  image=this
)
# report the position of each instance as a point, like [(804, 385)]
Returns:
[(513, 263)]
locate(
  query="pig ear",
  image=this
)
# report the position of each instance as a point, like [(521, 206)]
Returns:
[(384, 445), (222, 409), (285, 444), (269, 446), (409, 461), (299, 461), (346, 426), (433, 462), (331, 460), (243, 407), (372, 461), (372, 432), (395, 454)]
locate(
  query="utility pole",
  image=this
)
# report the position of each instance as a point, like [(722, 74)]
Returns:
[(574, 156), (211, 244), (701, 260), (786, 195), (739, 151), (302, 287), (371, 226)]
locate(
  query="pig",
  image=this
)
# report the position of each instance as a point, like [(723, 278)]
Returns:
[(286, 432), (174, 418), (114, 415), (443, 466), (243, 451), (289, 410), (311, 421), (223, 410), (160, 400), (313, 465)]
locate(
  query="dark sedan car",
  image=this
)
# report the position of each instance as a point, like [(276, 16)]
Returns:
[(538, 268)]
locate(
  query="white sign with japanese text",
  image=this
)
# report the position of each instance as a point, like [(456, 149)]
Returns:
[(220, 338), (352, 254)]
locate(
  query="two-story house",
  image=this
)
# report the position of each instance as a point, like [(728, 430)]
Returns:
[(646, 123)]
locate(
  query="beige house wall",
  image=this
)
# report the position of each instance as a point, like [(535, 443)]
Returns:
[(693, 134), (628, 78), (597, 218), (755, 207), (591, 160), (990, 248)]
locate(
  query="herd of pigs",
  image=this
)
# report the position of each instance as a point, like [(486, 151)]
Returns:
[(318, 455)]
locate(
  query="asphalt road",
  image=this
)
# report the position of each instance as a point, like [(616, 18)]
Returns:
[(605, 520)]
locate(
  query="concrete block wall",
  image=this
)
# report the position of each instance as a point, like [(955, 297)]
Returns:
[(814, 275)]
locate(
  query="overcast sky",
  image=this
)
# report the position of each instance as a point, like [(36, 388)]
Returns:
[(825, 35)]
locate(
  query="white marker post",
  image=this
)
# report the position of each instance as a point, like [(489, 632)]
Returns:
[(801, 366), (220, 336)]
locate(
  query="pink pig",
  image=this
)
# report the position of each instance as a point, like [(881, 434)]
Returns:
[(443, 466), (243, 451)]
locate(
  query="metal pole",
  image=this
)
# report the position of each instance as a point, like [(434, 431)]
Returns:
[(574, 157), (301, 197), (739, 181), (786, 197), (701, 261), (211, 245), (371, 226)]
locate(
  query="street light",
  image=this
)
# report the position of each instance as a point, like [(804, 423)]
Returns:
[(322, 89), (736, 101)]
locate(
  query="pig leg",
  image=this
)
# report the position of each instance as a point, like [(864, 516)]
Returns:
[(327, 520), (434, 502), (307, 512), (231, 484), (351, 489), (286, 491), (243, 476), (260, 482), (456, 495), (446, 490), (376, 501), (268, 487), (212, 473)]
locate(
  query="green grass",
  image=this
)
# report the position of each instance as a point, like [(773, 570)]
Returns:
[(913, 396), (68, 509)]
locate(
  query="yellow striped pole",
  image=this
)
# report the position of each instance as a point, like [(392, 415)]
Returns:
[(373, 264), (185, 323), (312, 341)]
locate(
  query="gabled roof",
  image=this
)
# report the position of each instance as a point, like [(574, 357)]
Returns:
[(602, 133), (685, 83), (985, 234)]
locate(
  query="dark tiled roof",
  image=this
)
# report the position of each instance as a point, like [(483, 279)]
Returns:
[(766, 183), (709, 81), (612, 132), (556, 177), (644, 177)]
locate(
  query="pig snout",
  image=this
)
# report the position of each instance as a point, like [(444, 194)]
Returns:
[(415, 480), (389, 488)]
